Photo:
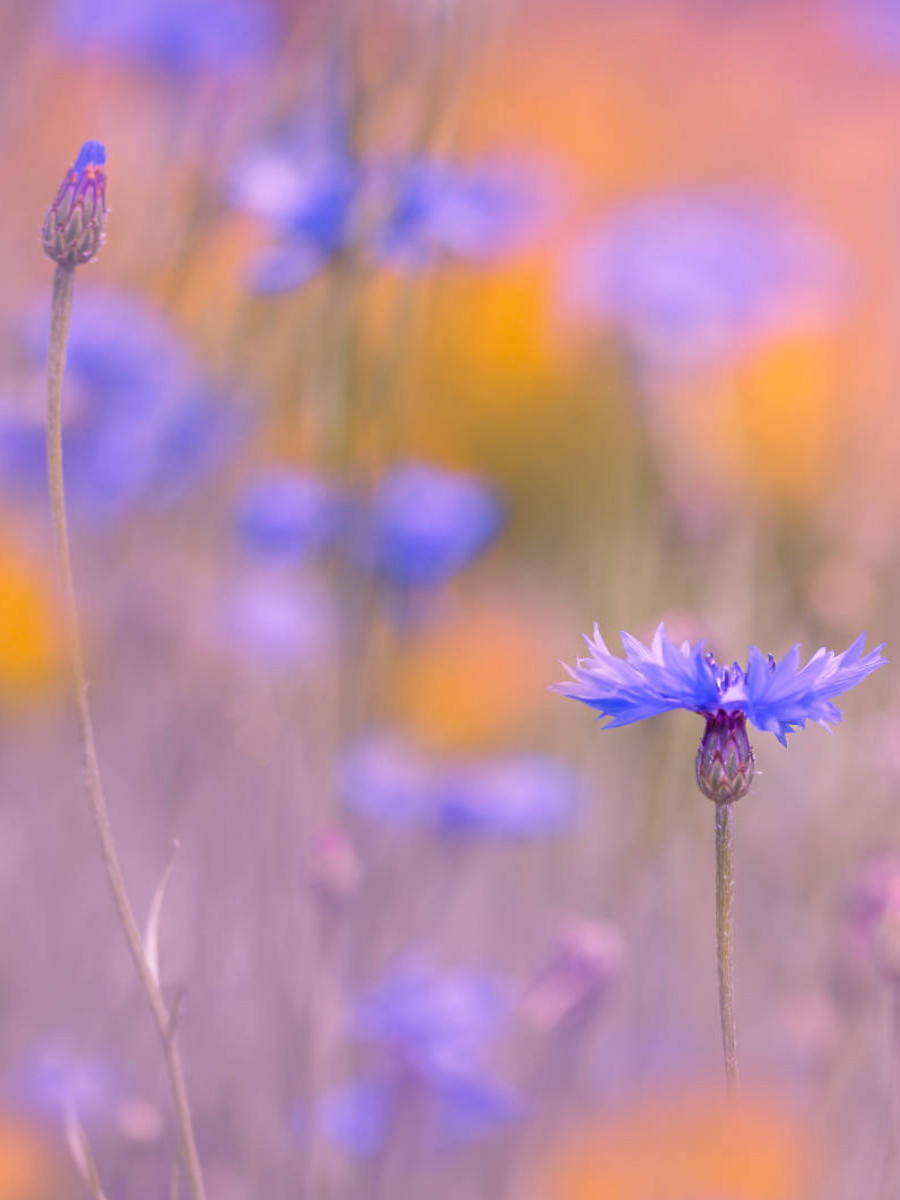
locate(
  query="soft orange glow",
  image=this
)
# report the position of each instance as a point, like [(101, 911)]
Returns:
[(683, 1148), (434, 693)]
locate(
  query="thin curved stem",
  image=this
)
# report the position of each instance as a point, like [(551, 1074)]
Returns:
[(60, 314), (725, 938)]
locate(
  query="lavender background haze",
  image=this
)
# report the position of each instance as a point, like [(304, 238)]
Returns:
[(426, 334)]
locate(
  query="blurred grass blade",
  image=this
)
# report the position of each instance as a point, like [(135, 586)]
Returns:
[(151, 934), (80, 1149)]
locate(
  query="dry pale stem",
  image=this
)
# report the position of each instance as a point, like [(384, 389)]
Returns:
[(60, 313)]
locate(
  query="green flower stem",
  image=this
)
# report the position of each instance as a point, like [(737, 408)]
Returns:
[(60, 314), (725, 937)]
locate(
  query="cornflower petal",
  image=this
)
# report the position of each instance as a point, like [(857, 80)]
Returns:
[(780, 698)]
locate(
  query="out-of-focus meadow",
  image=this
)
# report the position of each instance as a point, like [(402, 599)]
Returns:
[(427, 333)]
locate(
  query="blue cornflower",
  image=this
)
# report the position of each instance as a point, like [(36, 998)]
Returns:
[(383, 776), (289, 515), (357, 1115), (182, 37), (438, 1028), (278, 622), (774, 696), (509, 797), (518, 796), (317, 226), (426, 524), (442, 210), (691, 275), (439, 1024), (306, 184), (142, 422), (50, 1081)]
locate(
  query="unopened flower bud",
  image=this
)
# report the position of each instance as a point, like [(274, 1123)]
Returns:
[(586, 959), (886, 940), (724, 763), (75, 225), (335, 869)]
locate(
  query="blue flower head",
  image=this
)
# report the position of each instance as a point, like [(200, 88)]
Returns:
[(518, 796), (777, 697), (441, 210), (694, 275), (50, 1081), (512, 797), (287, 516), (181, 37), (142, 422), (74, 227), (429, 523)]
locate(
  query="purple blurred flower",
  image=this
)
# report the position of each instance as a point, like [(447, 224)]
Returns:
[(287, 516), (697, 275), (179, 36), (775, 696), (514, 796), (426, 524), (50, 1081), (281, 623), (142, 424), (388, 779), (518, 796), (320, 200), (357, 1116), (438, 1025), (438, 1029), (441, 210)]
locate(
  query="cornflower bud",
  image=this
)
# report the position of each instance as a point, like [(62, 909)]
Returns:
[(724, 762), (74, 228)]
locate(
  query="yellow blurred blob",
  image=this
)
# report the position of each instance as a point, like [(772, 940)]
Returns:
[(30, 633), (767, 427), (30, 1167), (785, 402), (471, 682), (686, 1147), (491, 330)]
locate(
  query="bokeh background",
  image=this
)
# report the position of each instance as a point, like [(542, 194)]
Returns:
[(427, 333)]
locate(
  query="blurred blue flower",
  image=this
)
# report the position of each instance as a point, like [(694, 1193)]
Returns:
[(51, 1081), (872, 26), (141, 423), (774, 696), (282, 623), (690, 275), (314, 229), (514, 797), (440, 1025), (319, 197), (426, 524), (287, 516), (179, 36), (442, 210), (438, 1028), (357, 1116), (386, 778), (307, 185), (469, 1107)]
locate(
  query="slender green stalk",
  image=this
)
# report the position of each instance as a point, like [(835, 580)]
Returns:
[(725, 938), (60, 313)]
